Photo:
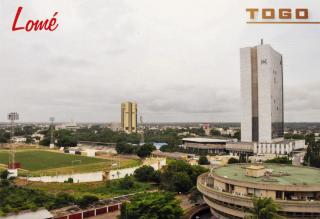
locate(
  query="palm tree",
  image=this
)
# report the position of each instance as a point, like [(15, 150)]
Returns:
[(264, 208)]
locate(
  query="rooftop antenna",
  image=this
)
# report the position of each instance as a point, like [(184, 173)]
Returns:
[(12, 166), (51, 132)]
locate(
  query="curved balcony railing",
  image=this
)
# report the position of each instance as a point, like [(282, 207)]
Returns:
[(245, 201)]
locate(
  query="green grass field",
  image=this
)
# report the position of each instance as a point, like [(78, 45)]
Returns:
[(34, 160), (43, 162)]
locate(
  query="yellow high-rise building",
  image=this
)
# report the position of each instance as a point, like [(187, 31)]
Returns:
[(129, 111)]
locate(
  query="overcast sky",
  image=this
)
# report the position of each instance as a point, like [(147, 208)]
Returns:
[(179, 59)]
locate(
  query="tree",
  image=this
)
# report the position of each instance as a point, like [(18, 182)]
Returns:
[(45, 141), (203, 160), (156, 177), (312, 157), (179, 176), (4, 136), (195, 195), (87, 200), (215, 132), (15, 199), (264, 208), (144, 173), (145, 150), (237, 135), (4, 183), (122, 148), (126, 183), (62, 200), (69, 180), (181, 182), (4, 174), (152, 206), (66, 138), (233, 160), (281, 160)]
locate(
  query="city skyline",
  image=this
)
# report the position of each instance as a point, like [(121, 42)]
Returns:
[(179, 66)]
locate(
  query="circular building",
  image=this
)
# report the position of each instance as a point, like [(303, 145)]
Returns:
[(229, 190)]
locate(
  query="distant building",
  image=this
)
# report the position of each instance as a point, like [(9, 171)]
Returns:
[(234, 148), (173, 155), (72, 126), (19, 139), (115, 126), (206, 145), (261, 94), (207, 129), (129, 112)]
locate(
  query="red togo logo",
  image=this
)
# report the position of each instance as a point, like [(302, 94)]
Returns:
[(35, 25)]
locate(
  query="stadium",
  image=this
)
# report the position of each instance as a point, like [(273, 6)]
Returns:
[(39, 162)]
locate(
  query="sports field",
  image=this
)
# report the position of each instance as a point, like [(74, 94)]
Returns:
[(34, 160), (44, 162)]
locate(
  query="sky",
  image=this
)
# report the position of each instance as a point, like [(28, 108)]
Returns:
[(178, 59)]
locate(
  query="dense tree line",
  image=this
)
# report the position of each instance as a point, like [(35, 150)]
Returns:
[(312, 157), (16, 199), (4, 136), (98, 134), (157, 205), (24, 131), (140, 150), (280, 160), (178, 176), (170, 136), (203, 160)]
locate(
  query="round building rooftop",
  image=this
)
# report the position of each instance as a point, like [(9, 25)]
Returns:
[(270, 173)]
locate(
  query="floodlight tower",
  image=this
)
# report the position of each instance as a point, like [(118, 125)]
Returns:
[(52, 132), (13, 116)]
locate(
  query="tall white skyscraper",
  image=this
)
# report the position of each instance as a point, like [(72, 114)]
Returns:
[(261, 94)]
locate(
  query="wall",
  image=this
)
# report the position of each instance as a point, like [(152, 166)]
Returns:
[(77, 177), (246, 100), (240, 189), (121, 173), (218, 184)]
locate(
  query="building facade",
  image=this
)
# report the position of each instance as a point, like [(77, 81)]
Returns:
[(206, 145), (261, 94), (129, 112), (229, 190)]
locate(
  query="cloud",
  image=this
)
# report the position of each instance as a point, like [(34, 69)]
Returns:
[(179, 59)]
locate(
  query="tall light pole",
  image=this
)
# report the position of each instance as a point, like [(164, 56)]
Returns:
[(12, 166), (52, 132)]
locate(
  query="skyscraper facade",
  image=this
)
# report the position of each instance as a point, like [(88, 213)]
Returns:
[(129, 117), (261, 94)]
